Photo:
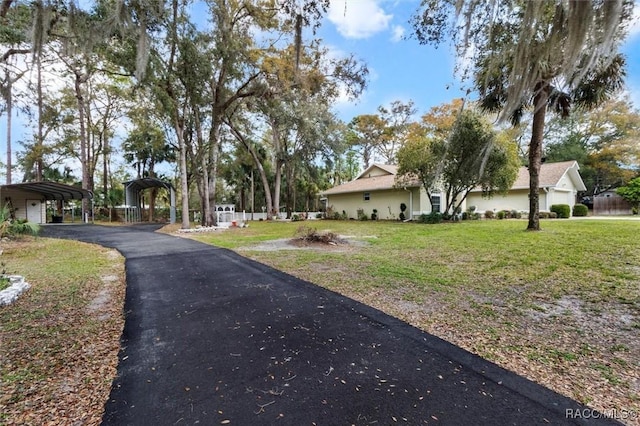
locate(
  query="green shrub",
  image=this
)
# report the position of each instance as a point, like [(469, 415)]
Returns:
[(543, 215), (433, 217), (374, 215), (580, 210), (488, 214), (515, 214), (502, 214), (562, 210), (296, 218)]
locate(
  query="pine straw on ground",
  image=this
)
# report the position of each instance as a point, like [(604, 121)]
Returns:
[(59, 341)]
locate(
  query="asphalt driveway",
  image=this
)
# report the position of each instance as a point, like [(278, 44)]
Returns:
[(214, 338)]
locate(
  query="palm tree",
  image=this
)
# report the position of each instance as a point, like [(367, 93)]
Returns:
[(533, 55)]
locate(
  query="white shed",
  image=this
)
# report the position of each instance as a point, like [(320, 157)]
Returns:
[(28, 200)]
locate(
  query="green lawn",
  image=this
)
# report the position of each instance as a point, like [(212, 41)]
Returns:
[(561, 306)]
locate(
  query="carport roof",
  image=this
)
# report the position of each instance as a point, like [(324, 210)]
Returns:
[(51, 190), (145, 183)]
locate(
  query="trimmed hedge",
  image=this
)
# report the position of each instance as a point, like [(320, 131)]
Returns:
[(580, 210), (562, 210), (433, 217)]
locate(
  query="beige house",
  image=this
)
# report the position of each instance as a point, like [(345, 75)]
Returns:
[(377, 188), (559, 184)]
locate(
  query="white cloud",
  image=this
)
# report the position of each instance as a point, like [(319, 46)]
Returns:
[(360, 19), (398, 33)]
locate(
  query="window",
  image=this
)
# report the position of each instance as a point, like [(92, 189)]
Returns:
[(367, 196), (435, 203)]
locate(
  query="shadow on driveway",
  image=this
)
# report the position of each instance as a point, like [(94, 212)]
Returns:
[(214, 338)]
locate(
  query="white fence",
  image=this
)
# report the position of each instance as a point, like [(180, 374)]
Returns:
[(248, 216)]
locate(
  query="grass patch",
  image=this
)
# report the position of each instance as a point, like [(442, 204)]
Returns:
[(60, 339), (544, 304)]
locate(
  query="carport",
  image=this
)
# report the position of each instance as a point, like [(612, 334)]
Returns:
[(28, 200), (133, 197)]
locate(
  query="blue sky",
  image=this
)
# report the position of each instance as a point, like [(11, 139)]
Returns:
[(401, 69)]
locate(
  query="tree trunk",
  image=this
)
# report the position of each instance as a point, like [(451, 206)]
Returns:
[(276, 189), (261, 171), (206, 202), (265, 185), (535, 154), (253, 197), (79, 79), (40, 141), (9, 113), (184, 183), (153, 193), (204, 191), (213, 181), (290, 189), (105, 173), (214, 144)]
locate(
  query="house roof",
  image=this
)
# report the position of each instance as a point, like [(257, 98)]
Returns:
[(365, 182), (51, 190), (550, 175)]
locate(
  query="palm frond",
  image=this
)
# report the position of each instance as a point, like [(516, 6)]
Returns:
[(600, 84)]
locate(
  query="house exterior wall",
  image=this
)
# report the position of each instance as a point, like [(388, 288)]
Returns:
[(387, 202), (19, 200), (515, 200), (558, 196), (519, 200), (565, 183), (424, 205)]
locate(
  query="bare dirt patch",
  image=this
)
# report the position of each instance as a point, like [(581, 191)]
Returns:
[(344, 245)]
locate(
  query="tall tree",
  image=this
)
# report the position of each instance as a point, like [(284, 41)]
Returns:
[(604, 141), (471, 155), (294, 111), (534, 54), (397, 117), (421, 158), (14, 22), (366, 133), (631, 193)]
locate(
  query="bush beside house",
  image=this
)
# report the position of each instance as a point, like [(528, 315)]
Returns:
[(580, 210), (562, 210)]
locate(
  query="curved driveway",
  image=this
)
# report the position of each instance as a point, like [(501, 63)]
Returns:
[(214, 338)]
